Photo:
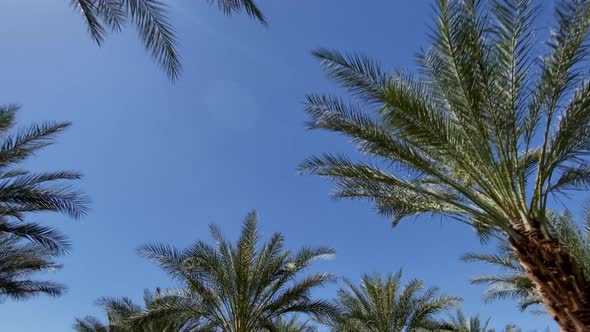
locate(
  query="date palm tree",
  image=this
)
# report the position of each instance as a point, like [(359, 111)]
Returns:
[(385, 305), (150, 18), (461, 323), (236, 288), (119, 312), (19, 258), (491, 127)]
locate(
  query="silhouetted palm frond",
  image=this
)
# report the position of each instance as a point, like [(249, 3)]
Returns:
[(151, 19)]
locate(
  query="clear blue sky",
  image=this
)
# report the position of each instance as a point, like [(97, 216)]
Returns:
[(162, 161)]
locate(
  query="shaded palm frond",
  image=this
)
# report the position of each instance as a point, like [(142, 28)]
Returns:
[(19, 259)]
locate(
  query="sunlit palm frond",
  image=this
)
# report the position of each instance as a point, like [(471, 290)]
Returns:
[(385, 304)]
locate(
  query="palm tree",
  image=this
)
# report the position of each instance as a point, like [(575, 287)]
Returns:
[(18, 260), (235, 288), (462, 323), (150, 18), (119, 312), (385, 305), (484, 134), (512, 283)]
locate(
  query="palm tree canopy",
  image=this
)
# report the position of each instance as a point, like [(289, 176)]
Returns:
[(484, 134), (385, 305), (120, 312), (18, 260), (150, 18), (243, 287)]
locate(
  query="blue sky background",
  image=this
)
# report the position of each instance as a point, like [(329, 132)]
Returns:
[(162, 161)]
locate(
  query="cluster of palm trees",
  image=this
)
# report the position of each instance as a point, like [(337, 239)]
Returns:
[(487, 133), (253, 286)]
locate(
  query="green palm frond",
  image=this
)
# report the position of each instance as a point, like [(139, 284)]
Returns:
[(511, 284), (90, 324), (18, 260), (385, 304), (489, 129), (151, 19), (236, 6)]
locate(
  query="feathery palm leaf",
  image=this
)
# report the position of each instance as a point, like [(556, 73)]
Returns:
[(150, 18), (512, 283), (18, 260), (120, 312)]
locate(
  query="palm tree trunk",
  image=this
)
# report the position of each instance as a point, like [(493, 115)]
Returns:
[(563, 288)]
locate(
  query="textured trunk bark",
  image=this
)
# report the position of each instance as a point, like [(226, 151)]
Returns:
[(565, 291)]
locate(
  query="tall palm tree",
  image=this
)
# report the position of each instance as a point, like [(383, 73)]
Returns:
[(119, 312), (19, 258), (385, 305), (484, 134), (236, 288), (150, 18)]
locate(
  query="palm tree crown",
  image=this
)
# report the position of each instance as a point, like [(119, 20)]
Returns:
[(485, 134), (241, 287), (120, 312), (385, 305), (150, 17), (461, 323)]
